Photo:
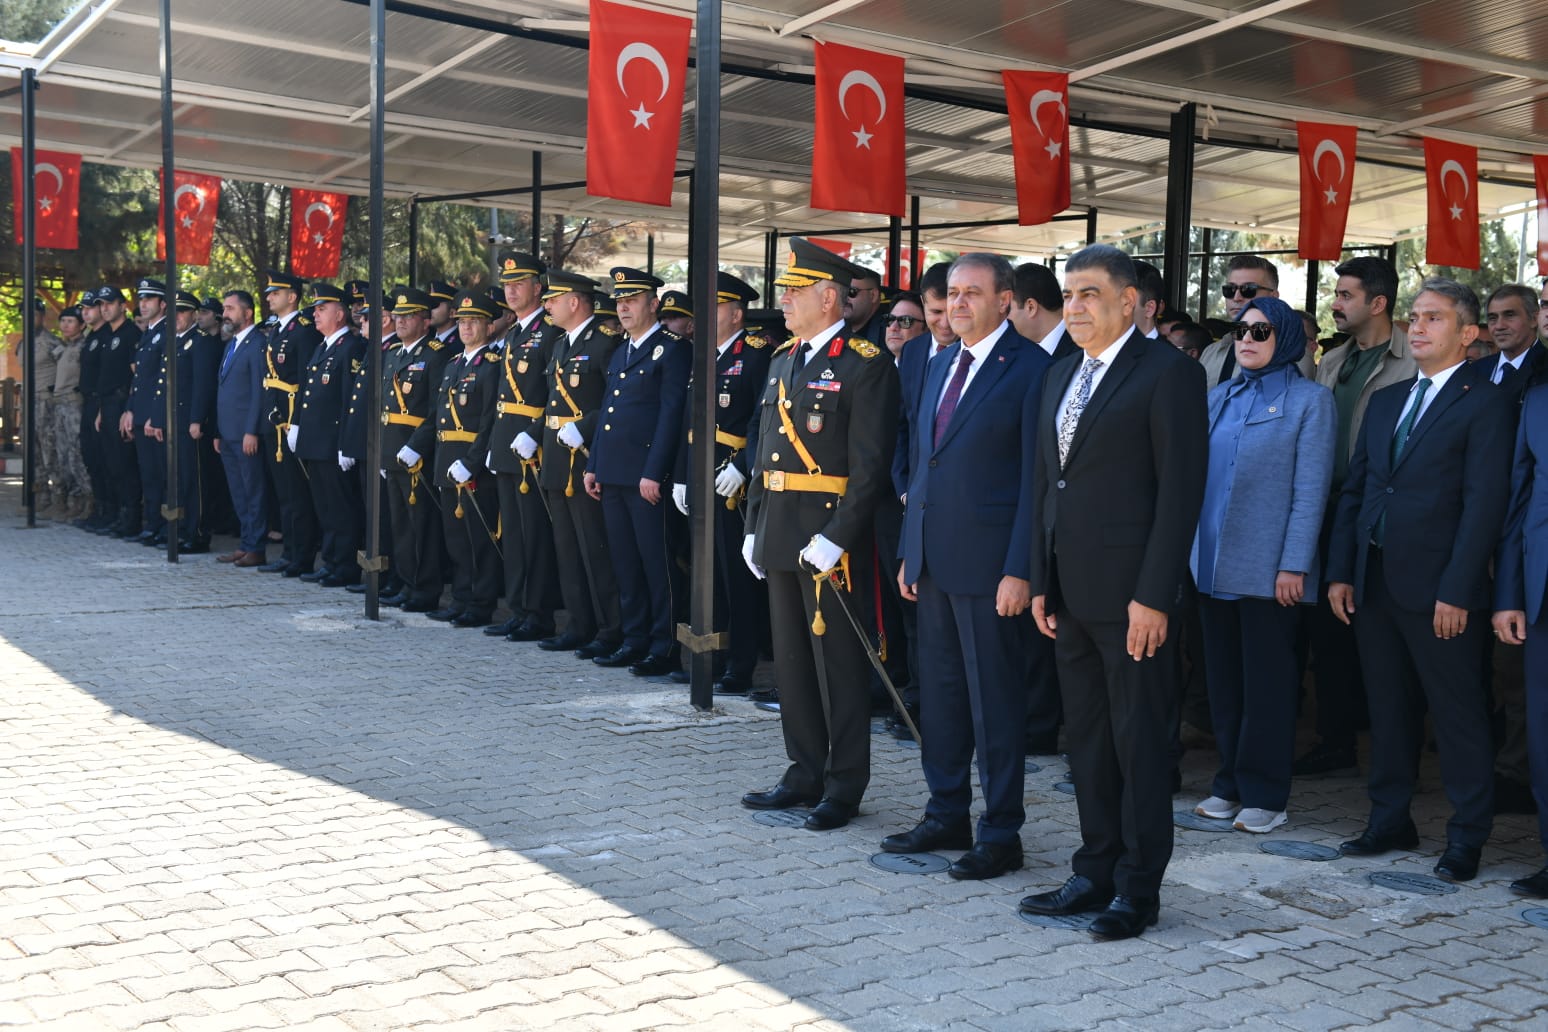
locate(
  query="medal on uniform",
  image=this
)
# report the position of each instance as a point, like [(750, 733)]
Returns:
[(655, 356), (325, 379), (827, 374), (575, 379), (725, 401), (280, 358), (521, 367), (814, 422), (407, 387), (462, 399)]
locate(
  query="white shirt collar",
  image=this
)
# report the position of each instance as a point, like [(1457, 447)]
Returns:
[(635, 342), (575, 333), (983, 348), (727, 343), (333, 337), (1437, 381), (1050, 342), (526, 321), (820, 341), (1107, 357), (285, 320)]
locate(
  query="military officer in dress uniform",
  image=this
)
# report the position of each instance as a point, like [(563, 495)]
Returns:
[(198, 370), (676, 313), (411, 373), (605, 309), (526, 533), (361, 409), (465, 406), (443, 324), (741, 372), (118, 337), (504, 316), (291, 343), (315, 433), (827, 428), (632, 457), (147, 400), (577, 379)]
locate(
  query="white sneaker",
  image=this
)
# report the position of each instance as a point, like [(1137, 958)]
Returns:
[(1220, 809), (1259, 822)]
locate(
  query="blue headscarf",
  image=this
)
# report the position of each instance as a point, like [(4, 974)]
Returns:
[(1289, 335)]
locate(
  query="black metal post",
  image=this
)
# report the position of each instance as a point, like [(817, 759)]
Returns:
[(1179, 205), (1313, 274), (1392, 254), (413, 257), (1091, 226), (29, 291), (894, 249), (915, 269), (373, 529), (537, 204), (1206, 263), (770, 263), (171, 504), (704, 260), (650, 253)]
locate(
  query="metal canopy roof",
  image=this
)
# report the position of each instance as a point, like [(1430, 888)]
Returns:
[(276, 90)]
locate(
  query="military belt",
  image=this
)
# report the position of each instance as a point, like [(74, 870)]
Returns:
[(820, 483), (456, 435), (722, 437), (510, 408), (555, 422), (280, 385), (402, 419)]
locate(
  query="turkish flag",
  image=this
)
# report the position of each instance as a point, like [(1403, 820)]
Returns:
[(909, 265), (1451, 174), (1540, 166), (857, 157), (634, 111), (56, 188), (1327, 181), (1039, 106), (841, 248), (316, 233), (194, 202)]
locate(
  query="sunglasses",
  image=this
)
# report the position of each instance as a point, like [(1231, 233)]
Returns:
[(857, 291), (1261, 331), (1247, 290), (906, 321)]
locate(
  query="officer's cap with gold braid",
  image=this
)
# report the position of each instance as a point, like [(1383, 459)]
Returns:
[(675, 302), (557, 283), (518, 265), (441, 292), (358, 291), (186, 302), (276, 280), (474, 304), (497, 298), (410, 301), (809, 264), (603, 306), (730, 288), (322, 292), (628, 282)]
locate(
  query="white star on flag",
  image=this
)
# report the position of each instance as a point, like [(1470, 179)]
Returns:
[(187, 222), (1332, 195), (863, 138), (317, 238), (641, 116), (45, 204), (1054, 148), (1456, 212)]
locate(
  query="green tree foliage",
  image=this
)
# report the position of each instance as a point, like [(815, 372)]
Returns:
[(28, 21)]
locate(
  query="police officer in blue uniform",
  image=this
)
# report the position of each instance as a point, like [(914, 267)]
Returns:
[(198, 369), (632, 456), (147, 399), (292, 340), (411, 373), (102, 508), (118, 338)]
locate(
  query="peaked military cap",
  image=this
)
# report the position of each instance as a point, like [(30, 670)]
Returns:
[(357, 289), (604, 306), (558, 282), (72, 312), (110, 294), (497, 297), (439, 291), (410, 301), (89, 299), (150, 288), (518, 265), (212, 304), (675, 302), (327, 292), (628, 282), (731, 288), (474, 303), (187, 302), (385, 301), (276, 280), (809, 264)]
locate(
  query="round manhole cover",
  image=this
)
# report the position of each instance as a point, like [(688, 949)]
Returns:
[(780, 818), (910, 863), (1067, 787), (1070, 922), (1536, 916), (1295, 849), (1409, 881), (1193, 822)]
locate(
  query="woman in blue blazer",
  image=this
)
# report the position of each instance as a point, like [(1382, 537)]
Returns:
[(1254, 558)]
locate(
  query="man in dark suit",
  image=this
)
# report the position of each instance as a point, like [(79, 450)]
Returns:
[(825, 436), (239, 411), (1420, 514), (1119, 480), (1038, 311), (1511, 312), (966, 555)]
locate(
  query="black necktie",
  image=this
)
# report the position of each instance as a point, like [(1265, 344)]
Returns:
[(1506, 372)]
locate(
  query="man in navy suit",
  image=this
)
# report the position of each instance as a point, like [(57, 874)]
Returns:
[(1420, 514), (238, 418), (966, 555)]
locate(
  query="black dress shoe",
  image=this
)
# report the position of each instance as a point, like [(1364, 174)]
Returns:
[(1458, 863), (471, 618), (830, 814), (624, 656), (593, 649), (930, 834), (340, 580), (987, 860), (144, 537), (529, 632), (197, 546), (446, 615), (678, 675), (277, 566), (730, 684), (1077, 895), (317, 576), (297, 570), (1041, 745), (418, 605), (777, 798), (391, 601), (1125, 918), (654, 666), (358, 588), (1374, 843), (503, 628), (770, 694), (897, 727), (1532, 885), (560, 643)]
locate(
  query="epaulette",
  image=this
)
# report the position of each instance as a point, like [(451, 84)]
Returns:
[(755, 342), (303, 320), (435, 344), (356, 365), (607, 329), (784, 347), (670, 335), (547, 319), (864, 348)]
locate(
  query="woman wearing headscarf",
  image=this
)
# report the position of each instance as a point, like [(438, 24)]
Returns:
[(1255, 557)]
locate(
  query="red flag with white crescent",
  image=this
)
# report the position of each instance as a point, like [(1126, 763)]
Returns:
[(194, 202), (857, 156), (1540, 166), (634, 115), (1327, 180), (1039, 107), (316, 233), (1451, 174), (56, 190)]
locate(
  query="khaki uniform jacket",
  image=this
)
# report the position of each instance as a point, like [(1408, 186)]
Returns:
[(1395, 366)]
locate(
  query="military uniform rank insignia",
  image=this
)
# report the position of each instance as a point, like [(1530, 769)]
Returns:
[(408, 387), (575, 379), (655, 356), (725, 401), (521, 367), (814, 422), (280, 358)]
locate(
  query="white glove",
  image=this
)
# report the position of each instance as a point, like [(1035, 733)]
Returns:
[(460, 472), (407, 456), (489, 461), (291, 434), (525, 446), (729, 481), (383, 472), (747, 556), (345, 462), (680, 497), (571, 437), (821, 554)]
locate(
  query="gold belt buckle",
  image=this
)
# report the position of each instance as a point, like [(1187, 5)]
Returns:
[(553, 422), (776, 480)]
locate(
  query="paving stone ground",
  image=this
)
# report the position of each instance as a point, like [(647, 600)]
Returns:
[(229, 802)]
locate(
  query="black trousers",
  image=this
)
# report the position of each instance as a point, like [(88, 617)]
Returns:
[(1335, 662), (741, 600), (1118, 717), (1406, 666), (193, 486), (151, 457), (585, 568), (475, 565), (119, 463), (416, 536), (636, 540), (527, 539), (102, 487), (824, 700), (340, 516), (298, 521)]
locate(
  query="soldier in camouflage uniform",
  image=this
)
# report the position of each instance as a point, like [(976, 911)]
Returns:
[(72, 488)]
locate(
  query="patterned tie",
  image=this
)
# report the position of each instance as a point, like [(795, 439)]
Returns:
[(1406, 427), (953, 395), (1077, 405)]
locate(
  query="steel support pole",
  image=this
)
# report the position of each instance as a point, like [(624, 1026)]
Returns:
[(894, 249), (494, 245), (915, 264), (1091, 225), (413, 255), (1206, 260), (1179, 205), (1313, 274), (704, 261), (650, 253), (172, 502), (374, 458), (770, 264), (537, 204), (29, 291)]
